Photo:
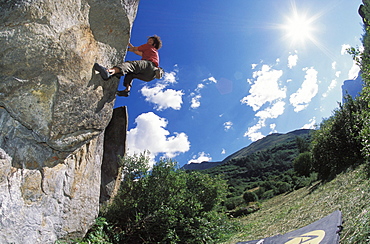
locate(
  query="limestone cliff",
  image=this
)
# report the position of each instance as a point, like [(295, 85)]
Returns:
[(53, 112)]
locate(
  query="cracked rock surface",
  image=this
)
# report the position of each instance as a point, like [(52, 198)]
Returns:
[(54, 110)]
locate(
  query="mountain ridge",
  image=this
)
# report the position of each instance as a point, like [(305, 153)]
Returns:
[(261, 144)]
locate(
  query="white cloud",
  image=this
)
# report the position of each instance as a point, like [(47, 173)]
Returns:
[(292, 60), (337, 74), (163, 98), (196, 95), (344, 48), (265, 88), (212, 79), (169, 77), (254, 66), (201, 157), (309, 88), (353, 72), (355, 69), (150, 134), (195, 101), (199, 87), (311, 124), (253, 132), (272, 127), (272, 112), (228, 125), (332, 85), (223, 151), (334, 65)]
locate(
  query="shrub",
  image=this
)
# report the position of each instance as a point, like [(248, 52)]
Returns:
[(233, 202), (167, 205), (268, 194), (303, 163), (249, 196), (282, 187), (337, 144)]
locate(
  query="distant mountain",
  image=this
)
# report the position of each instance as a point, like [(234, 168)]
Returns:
[(201, 166), (352, 87), (267, 142), (266, 164), (261, 144)]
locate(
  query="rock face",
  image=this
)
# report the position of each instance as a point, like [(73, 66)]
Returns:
[(114, 146), (54, 110)]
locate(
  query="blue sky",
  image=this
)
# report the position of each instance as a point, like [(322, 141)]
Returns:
[(237, 71)]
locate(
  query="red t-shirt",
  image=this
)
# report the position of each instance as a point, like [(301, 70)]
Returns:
[(150, 53)]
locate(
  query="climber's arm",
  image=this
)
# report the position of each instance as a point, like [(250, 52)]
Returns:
[(134, 50)]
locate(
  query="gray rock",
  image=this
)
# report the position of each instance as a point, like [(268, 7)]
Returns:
[(54, 110), (114, 147)]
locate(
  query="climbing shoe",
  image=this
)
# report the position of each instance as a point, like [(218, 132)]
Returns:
[(123, 93), (103, 71)]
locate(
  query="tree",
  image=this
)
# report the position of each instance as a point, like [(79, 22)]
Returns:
[(302, 164), (303, 144), (337, 144), (167, 205), (282, 187), (249, 196)]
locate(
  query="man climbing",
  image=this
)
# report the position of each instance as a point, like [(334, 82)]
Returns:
[(146, 69)]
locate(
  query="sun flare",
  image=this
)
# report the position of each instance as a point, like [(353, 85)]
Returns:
[(299, 28)]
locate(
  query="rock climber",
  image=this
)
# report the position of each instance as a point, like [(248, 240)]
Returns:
[(146, 69)]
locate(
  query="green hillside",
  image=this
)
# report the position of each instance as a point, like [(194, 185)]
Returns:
[(267, 142), (264, 143), (348, 192), (266, 164)]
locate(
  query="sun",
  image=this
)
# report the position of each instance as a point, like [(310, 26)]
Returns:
[(299, 28), (302, 28)]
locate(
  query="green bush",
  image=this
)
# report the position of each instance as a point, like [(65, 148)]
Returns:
[(282, 187), (167, 205), (362, 59), (249, 196), (268, 194), (337, 144), (303, 144), (303, 163), (234, 202), (259, 192), (303, 181)]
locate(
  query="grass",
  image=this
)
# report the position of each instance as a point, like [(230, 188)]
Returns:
[(348, 192)]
